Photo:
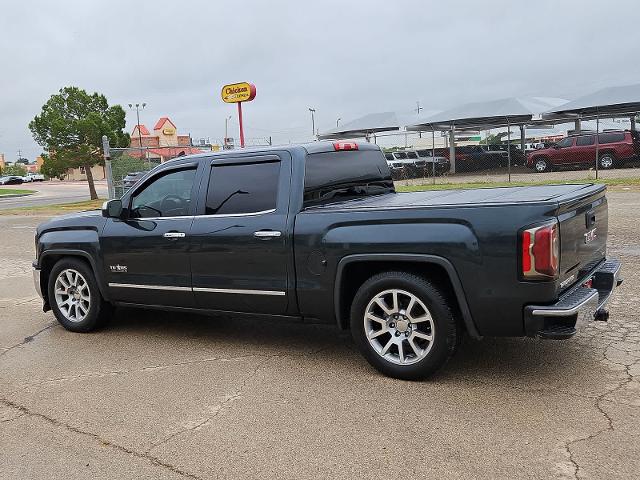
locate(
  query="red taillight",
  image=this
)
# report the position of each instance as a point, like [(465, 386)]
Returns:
[(340, 146), (540, 252)]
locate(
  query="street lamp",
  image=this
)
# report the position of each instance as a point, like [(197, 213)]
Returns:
[(338, 122), (226, 130), (138, 105), (313, 121)]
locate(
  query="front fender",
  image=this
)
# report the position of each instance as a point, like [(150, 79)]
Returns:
[(74, 243)]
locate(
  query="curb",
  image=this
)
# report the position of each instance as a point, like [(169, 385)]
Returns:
[(15, 195)]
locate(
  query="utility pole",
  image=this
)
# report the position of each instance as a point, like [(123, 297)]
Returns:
[(418, 108), (226, 131), (338, 122), (313, 121), (137, 106)]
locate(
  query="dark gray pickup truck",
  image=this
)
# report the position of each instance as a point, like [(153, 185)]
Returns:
[(318, 233)]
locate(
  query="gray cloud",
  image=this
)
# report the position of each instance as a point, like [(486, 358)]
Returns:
[(344, 59)]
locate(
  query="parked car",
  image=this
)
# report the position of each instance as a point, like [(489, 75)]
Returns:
[(11, 180), (429, 164), (403, 166), (131, 179), (518, 157), (614, 149), (36, 177), (471, 158), (26, 179), (317, 232)]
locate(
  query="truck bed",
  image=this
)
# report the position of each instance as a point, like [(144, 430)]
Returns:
[(456, 198)]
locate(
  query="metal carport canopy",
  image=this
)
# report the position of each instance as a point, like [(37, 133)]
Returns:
[(516, 111), (363, 126), (487, 115), (608, 102)]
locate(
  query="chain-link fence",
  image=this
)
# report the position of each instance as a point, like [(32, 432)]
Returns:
[(128, 165), (552, 156)]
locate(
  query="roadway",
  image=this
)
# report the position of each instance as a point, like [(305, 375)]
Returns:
[(52, 192)]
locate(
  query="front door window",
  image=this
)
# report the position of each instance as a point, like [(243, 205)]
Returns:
[(166, 196)]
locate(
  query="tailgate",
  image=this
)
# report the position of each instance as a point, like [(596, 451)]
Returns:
[(583, 233)]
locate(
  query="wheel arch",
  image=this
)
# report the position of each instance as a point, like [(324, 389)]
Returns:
[(354, 270), (49, 258)]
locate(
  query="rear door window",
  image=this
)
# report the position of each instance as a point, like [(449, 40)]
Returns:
[(243, 188), (585, 141)]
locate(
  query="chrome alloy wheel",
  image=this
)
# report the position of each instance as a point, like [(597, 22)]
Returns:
[(73, 296), (541, 166), (399, 327), (606, 161)]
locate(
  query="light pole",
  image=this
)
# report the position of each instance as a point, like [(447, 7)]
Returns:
[(338, 122), (313, 121), (138, 105), (226, 130)]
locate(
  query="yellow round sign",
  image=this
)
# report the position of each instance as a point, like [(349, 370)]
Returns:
[(238, 92)]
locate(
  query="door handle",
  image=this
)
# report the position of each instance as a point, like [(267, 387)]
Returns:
[(173, 235), (267, 234)]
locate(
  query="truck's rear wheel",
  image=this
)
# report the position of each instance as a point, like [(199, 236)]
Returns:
[(403, 325), (75, 297)]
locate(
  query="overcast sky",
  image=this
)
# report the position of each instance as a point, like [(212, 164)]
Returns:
[(345, 59)]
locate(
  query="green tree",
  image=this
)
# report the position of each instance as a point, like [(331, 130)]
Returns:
[(15, 169), (70, 127)]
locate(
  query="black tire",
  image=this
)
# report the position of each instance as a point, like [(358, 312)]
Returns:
[(607, 161), (541, 165), (98, 312), (446, 332)]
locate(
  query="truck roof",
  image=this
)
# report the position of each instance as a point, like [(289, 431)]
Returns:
[(309, 148)]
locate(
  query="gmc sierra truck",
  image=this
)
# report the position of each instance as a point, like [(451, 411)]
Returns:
[(318, 233)]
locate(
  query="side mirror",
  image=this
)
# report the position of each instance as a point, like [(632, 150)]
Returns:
[(112, 208)]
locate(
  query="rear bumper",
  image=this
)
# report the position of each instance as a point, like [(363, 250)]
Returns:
[(576, 307)]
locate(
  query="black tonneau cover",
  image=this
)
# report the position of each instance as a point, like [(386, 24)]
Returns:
[(496, 196)]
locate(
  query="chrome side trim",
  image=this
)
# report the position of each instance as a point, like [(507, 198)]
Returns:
[(242, 292), (198, 289), (250, 214), (150, 287)]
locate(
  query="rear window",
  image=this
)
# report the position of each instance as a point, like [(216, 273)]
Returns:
[(611, 137), (335, 176)]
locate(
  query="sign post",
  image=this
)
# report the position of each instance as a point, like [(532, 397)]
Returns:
[(238, 93)]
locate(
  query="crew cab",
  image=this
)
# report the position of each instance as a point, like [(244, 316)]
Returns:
[(318, 233), (614, 149)]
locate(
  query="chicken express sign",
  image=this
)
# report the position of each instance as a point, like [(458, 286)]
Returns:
[(238, 93)]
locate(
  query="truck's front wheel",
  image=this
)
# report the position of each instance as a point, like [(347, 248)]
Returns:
[(403, 325), (75, 297)]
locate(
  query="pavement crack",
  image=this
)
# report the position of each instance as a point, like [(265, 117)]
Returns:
[(217, 409), (598, 405), (27, 339), (107, 443)]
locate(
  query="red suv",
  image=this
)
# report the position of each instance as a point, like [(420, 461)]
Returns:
[(580, 150)]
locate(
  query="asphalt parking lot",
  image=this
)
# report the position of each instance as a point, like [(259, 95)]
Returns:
[(159, 395), (52, 192)]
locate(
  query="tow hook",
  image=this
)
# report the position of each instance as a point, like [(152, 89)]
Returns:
[(601, 315)]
